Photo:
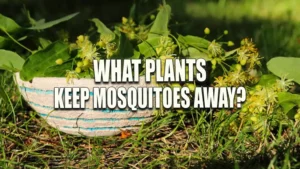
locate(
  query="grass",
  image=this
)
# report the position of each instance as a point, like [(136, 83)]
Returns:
[(193, 139)]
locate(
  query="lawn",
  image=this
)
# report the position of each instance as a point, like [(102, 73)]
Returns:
[(177, 139)]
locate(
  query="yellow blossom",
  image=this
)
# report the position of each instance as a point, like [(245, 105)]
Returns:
[(59, 61), (87, 50), (230, 43), (283, 84), (221, 82), (215, 49), (237, 77), (70, 75), (206, 31), (124, 20)]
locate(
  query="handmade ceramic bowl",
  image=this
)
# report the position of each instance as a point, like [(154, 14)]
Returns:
[(39, 93)]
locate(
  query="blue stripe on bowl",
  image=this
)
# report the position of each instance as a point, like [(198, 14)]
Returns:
[(95, 119), (98, 128), (40, 91), (103, 111), (47, 92), (34, 90)]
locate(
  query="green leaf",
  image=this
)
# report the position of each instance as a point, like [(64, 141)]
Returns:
[(147, 48), (285, 66), (193, 41), (10, 61), (44, 42), (136, 55), (288, 97), (267, 80), (288, 100), (38, 62), (105, 33), (229, 53), (287, 106), (125, 49), (58, 70), (3, 41), (132, 12), (40, 22), (194, 53), (8, 25), (101, 28), (42, 25), (160, 25), (31, 20), (22, 38)]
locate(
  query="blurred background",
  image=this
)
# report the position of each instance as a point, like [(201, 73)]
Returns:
[(274, 25)]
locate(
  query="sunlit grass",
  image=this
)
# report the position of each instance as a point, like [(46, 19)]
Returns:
[(273, 25), (251, 9)]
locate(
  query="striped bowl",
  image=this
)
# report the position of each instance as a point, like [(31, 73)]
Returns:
[(39, 93)]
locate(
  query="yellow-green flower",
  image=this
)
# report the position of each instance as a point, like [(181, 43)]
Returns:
[(238, 67), (78, 70), (237, 77), (191, 86), (152, 17), (173, 85), (87, 50), (111, 48), (207, 31), (230, 43), (124, 20), (297, 115), (79, 64), (215, 49), (220, 81), (59, 61), (101, 44), (283, 84), (70, 75)]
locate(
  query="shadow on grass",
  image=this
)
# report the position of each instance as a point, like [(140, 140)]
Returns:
[(284, 158)]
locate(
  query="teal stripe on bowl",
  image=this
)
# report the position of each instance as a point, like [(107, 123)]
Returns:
[(34, 90), (47, 92), (96, 119), (98, 128), (40, 91), (103, 111)]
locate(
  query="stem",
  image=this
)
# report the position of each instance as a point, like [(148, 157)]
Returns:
[(13, 39), (220, 37)]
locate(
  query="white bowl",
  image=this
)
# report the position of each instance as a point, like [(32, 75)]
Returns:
[(39, 93)]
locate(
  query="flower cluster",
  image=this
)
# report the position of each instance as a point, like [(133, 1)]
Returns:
[(133, 31), (166, 47), (262, 99), (107, 45), (244, 72), (86, 53)]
